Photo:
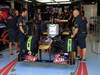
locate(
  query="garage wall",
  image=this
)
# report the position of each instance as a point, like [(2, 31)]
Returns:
[(90, 11)]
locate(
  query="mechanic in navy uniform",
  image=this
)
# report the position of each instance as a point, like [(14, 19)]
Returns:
[(22, 28), (12, 32), (80, 33)]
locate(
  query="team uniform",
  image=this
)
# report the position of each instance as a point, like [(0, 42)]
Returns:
[(12, 29), (80, 23), (22, 36)]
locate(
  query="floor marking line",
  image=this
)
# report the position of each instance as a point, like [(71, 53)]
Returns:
[(7, 66), (9, 69), (85, 71), (82, 69), (3, 73), (79, 69)]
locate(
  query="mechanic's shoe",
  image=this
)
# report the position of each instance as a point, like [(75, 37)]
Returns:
[(78, 58), (83, 60)]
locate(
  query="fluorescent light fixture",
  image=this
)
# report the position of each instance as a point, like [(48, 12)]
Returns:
[(28, 1), (61, 0), (64, 2), (55, 1), (45, 1), (58, 3), (51, 3)]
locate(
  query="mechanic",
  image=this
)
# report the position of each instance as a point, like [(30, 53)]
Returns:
[(80, 32), (12, 31), (22, 20)]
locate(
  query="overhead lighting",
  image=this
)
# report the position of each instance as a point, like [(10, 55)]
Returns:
[(28, 1), (65, 2), (51, 3), (61, 0), (58, 3), (45, 1)]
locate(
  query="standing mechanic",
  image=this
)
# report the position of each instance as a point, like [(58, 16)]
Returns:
[(12, 31), (80, 32), (22, 28)]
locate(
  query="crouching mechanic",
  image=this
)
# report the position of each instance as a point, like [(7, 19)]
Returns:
[(32, 45), (80, 33)]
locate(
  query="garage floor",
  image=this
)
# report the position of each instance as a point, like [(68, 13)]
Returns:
[(10, 66), (24, 68)]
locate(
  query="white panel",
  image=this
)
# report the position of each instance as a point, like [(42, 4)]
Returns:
[(53, 30)]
